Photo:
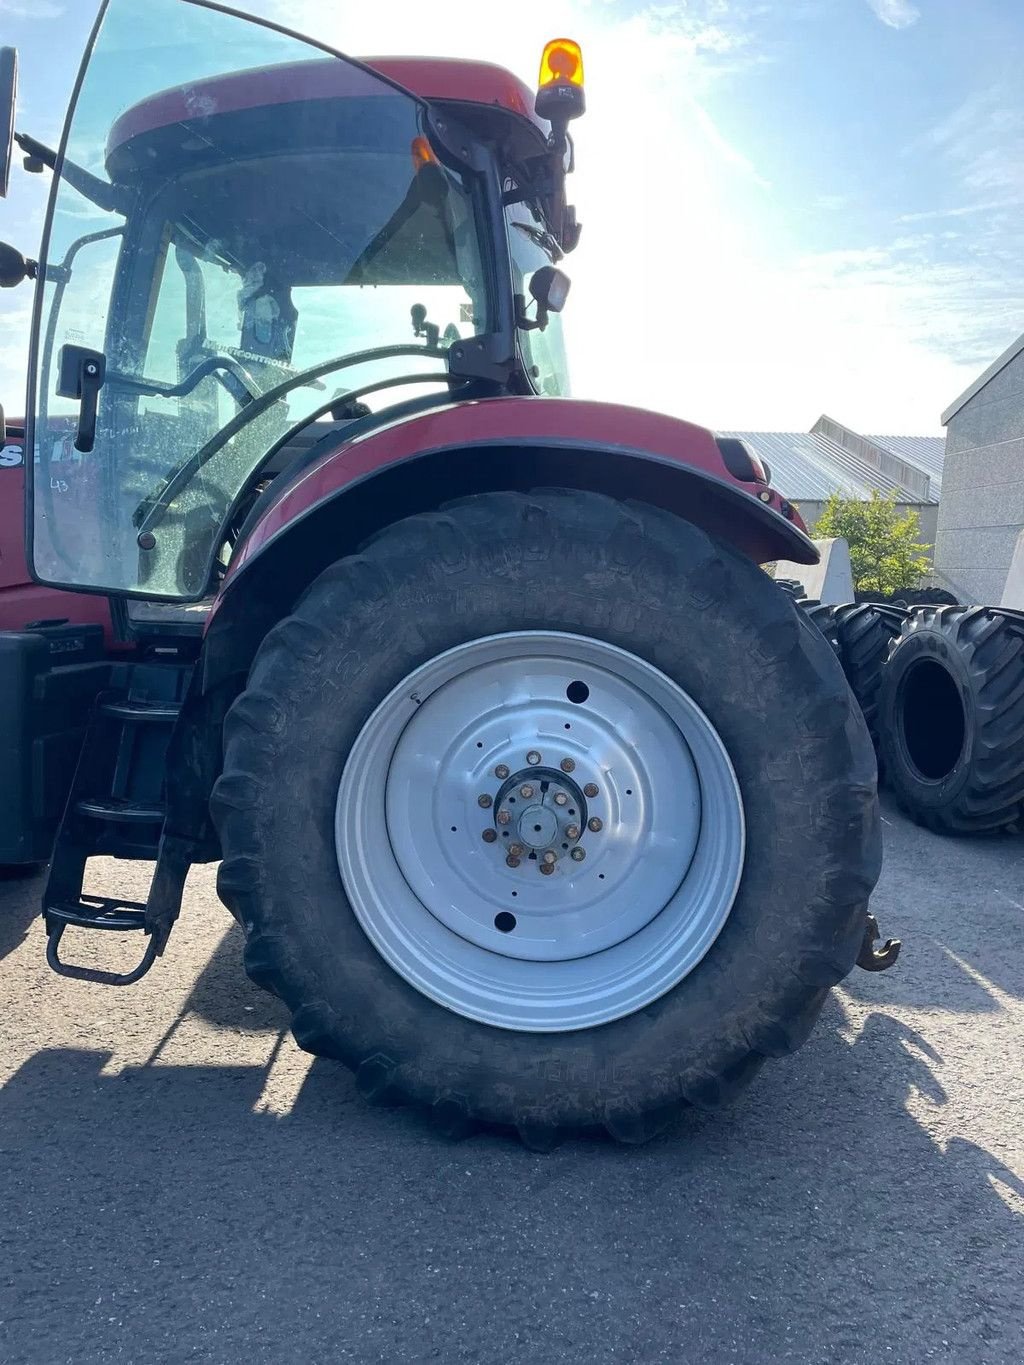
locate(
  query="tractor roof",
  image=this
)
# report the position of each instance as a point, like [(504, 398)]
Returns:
[(435, 79), (451, 79)]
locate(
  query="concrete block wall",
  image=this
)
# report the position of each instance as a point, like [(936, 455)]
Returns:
[(927, 517), (982, 508)]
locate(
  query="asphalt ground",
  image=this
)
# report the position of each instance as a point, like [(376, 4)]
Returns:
[(180, 1183)]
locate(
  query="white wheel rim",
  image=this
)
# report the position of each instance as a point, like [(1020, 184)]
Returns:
[(455, 795)]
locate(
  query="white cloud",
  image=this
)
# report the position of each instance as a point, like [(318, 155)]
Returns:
[(15, 316), (957, 307), (725, 148), (958, 211), (981, 141), (31, 9), (896, 13), (878, 334)]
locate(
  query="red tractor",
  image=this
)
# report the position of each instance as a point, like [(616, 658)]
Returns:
[(539, 804)]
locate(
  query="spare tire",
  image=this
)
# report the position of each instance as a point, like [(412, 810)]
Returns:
[(824, 617), (550, 681), (923, 597), (865, 632), (951, 717), (792, 586)]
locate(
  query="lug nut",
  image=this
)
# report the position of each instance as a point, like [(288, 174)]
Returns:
[(590, 789), (484, 800), (549, 857), (561, 799), (512, 862), (546, 869), (503, 817), (578, 854), (567, 765), (595, 824), (526, 792), (572, 832), (515, 850), (533, 758), (501, 771), (489, 836)]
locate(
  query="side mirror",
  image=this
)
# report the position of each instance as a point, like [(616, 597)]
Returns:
[(8, 99), (550, 289), (14, 267)]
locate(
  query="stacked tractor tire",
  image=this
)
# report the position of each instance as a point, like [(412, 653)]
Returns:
[(941, 687)]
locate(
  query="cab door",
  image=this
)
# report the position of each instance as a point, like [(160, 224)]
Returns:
[(218, 178)]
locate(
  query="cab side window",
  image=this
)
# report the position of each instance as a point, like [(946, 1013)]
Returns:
[(530, 247)]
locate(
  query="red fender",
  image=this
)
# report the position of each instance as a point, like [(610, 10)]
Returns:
[(760, 526), (417, 463)]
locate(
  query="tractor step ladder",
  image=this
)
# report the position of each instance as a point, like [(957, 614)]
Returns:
[(116, 809)]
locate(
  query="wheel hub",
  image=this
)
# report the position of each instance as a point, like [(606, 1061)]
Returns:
[(538, 827), (524, 831), (553, 819)]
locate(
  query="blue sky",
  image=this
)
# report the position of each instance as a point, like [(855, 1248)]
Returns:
[(790, 206)]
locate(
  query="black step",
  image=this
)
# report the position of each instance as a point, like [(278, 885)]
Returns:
[(120, 810), (97, 912), (159, 711), (116, 809)]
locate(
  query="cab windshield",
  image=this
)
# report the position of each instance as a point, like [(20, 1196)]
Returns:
[(279, 235)]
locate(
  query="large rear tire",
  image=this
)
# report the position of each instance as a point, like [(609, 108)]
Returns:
[(644, 648), (951, 718)]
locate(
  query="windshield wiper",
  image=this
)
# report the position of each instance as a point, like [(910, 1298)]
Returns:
[(543, 239), (159, 388), (148, 512)]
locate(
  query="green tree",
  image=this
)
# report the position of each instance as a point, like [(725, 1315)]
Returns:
[(885, 553)]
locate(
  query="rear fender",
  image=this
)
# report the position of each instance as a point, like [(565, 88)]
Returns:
[(326, 511)]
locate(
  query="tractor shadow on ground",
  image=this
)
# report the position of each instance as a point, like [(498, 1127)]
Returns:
[(153, 1210), (958, 906), (20, 900), (155, 1213), (225, 997)]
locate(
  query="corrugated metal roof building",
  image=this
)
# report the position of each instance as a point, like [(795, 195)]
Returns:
[(927, 452), (831, 458), (808, 467)]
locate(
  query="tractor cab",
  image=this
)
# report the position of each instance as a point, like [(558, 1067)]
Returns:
[(251, 243)]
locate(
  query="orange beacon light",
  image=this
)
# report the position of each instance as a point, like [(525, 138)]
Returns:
[(560, 87)]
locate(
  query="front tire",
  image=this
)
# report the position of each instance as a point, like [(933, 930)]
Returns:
[(641, 586)]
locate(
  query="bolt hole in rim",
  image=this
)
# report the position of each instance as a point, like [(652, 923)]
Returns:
[(595, 939)]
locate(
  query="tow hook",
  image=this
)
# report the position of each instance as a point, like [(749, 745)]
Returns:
[(874, 959)]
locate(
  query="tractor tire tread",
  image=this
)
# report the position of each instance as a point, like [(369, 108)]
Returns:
[(467, 548), (866, 631)]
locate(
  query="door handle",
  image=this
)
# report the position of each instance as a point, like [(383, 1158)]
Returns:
[(80, 375)]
